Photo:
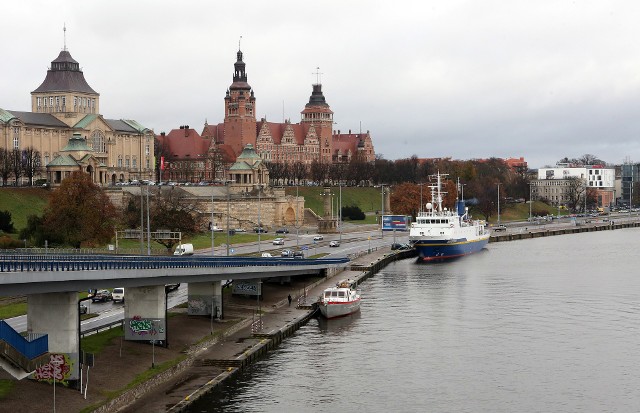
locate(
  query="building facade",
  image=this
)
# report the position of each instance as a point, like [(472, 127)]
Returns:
[(312, 139), (65, 107), (562, 185)]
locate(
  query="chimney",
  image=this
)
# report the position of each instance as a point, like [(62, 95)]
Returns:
[(186, 130)]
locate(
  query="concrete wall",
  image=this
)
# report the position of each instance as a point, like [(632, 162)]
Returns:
[(144, 314), (56, 314), (205, 299)]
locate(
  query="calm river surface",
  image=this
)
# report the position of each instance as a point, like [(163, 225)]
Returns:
[(542, 325)]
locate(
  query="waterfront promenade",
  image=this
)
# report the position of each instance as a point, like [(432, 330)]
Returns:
[(209, 351)]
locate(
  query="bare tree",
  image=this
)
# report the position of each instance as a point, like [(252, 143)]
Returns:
[(575, 193), (17, 164), (5, 165), (32, 163)]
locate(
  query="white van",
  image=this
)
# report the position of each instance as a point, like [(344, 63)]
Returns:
[(184, 249), (118, 294)]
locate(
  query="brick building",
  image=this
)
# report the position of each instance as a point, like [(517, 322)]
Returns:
[(312, 139)]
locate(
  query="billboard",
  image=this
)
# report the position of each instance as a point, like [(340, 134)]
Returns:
[(395, 222)]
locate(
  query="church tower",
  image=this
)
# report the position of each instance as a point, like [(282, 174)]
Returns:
[(240, 112), (318, 114)]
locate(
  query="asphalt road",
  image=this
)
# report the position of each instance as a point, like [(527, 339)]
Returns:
[(350, 243)]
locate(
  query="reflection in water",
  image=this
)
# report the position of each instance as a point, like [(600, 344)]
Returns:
[(542, 325)]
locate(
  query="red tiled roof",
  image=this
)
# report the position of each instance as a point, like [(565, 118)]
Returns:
[(185, 144)]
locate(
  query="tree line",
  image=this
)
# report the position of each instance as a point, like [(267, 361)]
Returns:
[(18, 163)]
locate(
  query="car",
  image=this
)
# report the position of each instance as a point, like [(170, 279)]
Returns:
[(334, 244), (260, 230), (266, 255), (240, 230), (101, 295), (298, 254), (318, 238), (286, 253), (499, 228), (282, 231), (83, 309), (278, 241), (118, 294), (395, 246)]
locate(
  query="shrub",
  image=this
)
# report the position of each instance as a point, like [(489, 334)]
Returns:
[(7, 243), (353, 213), (5, 222)]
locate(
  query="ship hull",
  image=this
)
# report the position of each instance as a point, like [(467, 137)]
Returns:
[(334, 310), (435, 250)]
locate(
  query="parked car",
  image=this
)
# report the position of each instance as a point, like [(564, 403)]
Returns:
[(334, 244), (282, 231), (101, 295), (499, 228), (298, 254), (83, 309), (286, 253), (118, 294), (260, 230), (266, 255), (318, 238), (240, 230), (278, 241)]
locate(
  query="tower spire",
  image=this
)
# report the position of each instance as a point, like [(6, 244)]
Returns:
[(318, 76), (64, 36), (239, 40)]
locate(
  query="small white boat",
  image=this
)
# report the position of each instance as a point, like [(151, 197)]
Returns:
[(341, 300)]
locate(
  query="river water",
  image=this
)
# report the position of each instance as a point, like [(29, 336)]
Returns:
[(543, 325)]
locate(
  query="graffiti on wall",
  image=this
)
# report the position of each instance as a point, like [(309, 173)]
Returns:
[(139, 328), (60, 367)]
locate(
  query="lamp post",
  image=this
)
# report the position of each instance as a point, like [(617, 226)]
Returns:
[(228, 211), (141, 222), (340, 212), (530, 200), (148, 225), (296, 224), (259, 225), (213, 253), (382, 213), (498, 203)]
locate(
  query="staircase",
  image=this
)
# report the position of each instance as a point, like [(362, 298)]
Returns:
[(19, 355)]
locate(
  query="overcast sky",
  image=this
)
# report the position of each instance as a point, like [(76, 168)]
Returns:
[(539, 79)]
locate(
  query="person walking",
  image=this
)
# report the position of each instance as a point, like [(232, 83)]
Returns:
[(289, 298)]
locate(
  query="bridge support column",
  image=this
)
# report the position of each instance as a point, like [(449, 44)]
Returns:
[(56, 314), (205, 299), (144, 314)]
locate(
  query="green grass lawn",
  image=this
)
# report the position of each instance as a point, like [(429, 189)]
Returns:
[(368, 199), (22, 202)]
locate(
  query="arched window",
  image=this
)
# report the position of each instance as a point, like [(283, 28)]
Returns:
[(98, 142)]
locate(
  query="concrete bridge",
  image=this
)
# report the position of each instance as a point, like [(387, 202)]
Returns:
[(51, 283)]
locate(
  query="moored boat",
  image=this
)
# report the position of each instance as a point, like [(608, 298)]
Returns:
[(440, 233), (341, 300)]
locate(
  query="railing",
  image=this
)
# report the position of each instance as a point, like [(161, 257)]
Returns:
[(17, 262), (33, 346)]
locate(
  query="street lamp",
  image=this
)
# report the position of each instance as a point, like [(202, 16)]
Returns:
[(213, 253), (498, 203), (340, 212), (148, 225), (530, 199), (259, 225), (227, 183), (382, 213)]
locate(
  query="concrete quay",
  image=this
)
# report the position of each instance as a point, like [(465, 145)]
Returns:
[(535, 231), (211, 363)]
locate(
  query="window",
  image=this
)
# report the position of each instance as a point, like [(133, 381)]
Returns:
[(126, 162), (135, 162), (75, 101), (16, 138), (146, 149), (119, 162), (51, 101), (98, 142), (39, 101)]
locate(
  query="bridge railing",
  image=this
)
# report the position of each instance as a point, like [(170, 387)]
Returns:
[(31, 347), (17, 262)]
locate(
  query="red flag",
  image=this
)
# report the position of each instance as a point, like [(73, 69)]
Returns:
[(162, 163)]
